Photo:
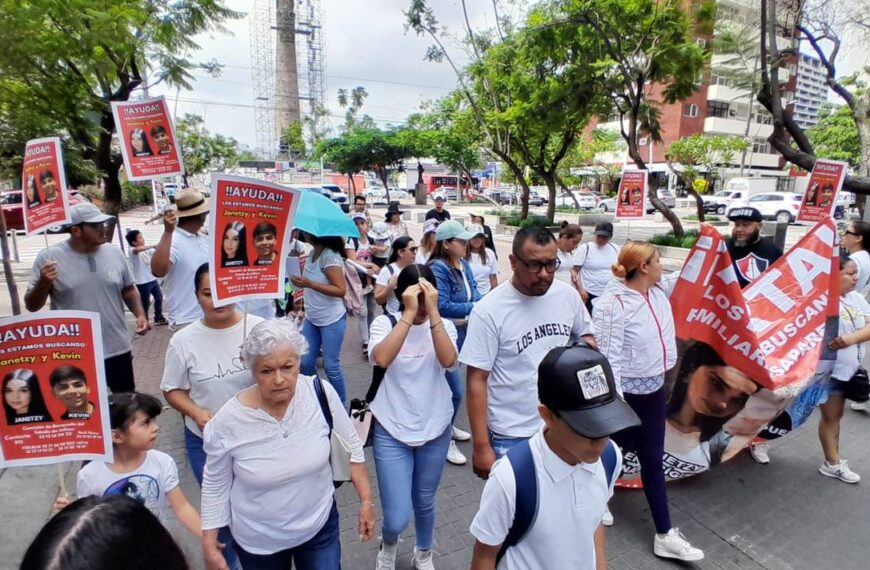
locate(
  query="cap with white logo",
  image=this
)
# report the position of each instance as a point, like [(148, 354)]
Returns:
[(577, 382)]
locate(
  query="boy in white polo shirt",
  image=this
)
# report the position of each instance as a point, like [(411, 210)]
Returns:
[(570, 465)]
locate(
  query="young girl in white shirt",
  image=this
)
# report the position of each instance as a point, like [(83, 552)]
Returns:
[(139, 471)]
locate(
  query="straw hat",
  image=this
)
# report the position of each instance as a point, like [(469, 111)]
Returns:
[(190, 202)]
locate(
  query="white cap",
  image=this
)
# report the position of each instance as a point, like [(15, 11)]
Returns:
[(87, 213)]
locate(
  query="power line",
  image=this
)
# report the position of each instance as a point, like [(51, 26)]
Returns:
[(249, 106), (367, 79)]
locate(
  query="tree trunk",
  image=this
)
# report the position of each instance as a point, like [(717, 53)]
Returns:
[(7, 268), (521, 179), (382, 174), (550, 180), (567, 190), (746, 131)]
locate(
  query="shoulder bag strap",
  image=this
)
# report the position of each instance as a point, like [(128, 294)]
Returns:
[(324, 404), (526, 481), (378, 373)]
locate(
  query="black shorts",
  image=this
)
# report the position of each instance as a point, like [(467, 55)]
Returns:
[(119, 373)]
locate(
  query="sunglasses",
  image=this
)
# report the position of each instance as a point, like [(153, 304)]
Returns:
[(851, 233), (411, 249)]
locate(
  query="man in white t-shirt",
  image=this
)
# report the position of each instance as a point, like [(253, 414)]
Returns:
[(509, 332), (179, 254), (571, 466)]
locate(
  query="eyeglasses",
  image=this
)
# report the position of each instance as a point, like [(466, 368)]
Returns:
[(536, 266), (851, 233), (411, 249)]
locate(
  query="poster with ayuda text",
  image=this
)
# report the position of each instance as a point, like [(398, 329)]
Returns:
[(147, 138), (250, 226), (55, 404), (631, 196), (43, 186), (820, 198)]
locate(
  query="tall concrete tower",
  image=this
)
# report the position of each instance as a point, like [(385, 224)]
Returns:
[(286, 74)]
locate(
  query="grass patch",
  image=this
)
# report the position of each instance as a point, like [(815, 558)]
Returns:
[(514, 220), (694, 218), (669, 240)]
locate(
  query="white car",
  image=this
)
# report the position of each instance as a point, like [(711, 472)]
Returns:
[(607, 205), (585, 200), (780, 206)]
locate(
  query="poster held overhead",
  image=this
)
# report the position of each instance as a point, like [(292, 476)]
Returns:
[(825, 183), (250, 226), (147, 137), (631, 195), (43, 184), (55, 398)]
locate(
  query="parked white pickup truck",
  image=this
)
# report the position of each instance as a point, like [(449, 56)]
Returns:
[(737, 189)]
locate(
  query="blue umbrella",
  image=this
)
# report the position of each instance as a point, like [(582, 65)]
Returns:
[(320, 216)]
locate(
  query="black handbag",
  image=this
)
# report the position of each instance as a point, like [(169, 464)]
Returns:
[(857, 388), (360, 413)]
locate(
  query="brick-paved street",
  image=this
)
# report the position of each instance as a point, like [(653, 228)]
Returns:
[(744, 515)]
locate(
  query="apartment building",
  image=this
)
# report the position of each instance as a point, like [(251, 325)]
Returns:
[(811, 91)]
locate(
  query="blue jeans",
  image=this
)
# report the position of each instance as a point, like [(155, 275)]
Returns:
[(322, 552), (454, 377), (408, 478), (502, 443), (330, 338), (196, 456), (146, 291)]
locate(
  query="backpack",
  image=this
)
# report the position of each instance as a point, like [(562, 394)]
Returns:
[(526, 480), (353, 297), (360, 408), (391, 270)]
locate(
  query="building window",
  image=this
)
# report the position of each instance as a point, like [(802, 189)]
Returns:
[(641, 141), (761, 146), (690, 110), (763, 117), (717, 109)]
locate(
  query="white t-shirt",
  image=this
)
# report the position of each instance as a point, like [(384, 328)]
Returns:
[(508, 335), (862, 260), (187, 253), (482, 272), (383, 280), (322, 310), (566, 263), (571, 501), (147, 484), (595, 263), (413, 402), (270, 480), (854, 314), (421, 257), (140, 266), (206, 361)]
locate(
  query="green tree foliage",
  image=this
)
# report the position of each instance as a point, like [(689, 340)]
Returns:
[(203, 151), (695, 158), (292, 141), (835, 136), (65, 62)]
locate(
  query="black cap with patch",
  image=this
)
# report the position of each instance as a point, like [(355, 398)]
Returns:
[(747, 213), (577, 382)]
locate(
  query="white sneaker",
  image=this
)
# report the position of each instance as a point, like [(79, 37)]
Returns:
[(455, 456), (387, 557), (674, 545), (858, 406), (839, 471), (460, 435), (607, 519), (423, 560), (758, 451)]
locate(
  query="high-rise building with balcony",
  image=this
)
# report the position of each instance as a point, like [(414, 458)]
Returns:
[(811, 91)]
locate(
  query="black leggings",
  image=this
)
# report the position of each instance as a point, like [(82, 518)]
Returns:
[(648, 441)]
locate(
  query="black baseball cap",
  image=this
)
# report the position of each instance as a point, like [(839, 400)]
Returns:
[(577, 383), (604, 229), (747, 213)]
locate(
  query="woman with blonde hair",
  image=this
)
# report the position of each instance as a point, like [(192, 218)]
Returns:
[(634, 328)]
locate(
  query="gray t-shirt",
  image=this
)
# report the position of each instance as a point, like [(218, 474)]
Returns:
[(90, 282)]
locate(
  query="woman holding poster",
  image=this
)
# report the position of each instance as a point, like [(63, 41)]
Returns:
[(325, 313), (634, 327), (22, 398), (268, 473)]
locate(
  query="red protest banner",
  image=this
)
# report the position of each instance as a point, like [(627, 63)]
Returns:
[(631, 196), (825, 182), (54, 390), (147, 138), (43, 184), (250, 225)]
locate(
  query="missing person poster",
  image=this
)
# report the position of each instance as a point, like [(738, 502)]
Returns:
[(55, 400), (744, 356), (825, 182), (43, 186), (631, 196), (147, 138), (250, 225)]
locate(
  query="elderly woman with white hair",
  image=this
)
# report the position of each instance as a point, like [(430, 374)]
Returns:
[(268, 475)]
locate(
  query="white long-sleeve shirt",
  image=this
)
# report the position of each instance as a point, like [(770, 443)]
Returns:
[(635, 332), (271, 480)]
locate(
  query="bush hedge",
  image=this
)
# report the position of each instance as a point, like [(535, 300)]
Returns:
[(669, 240)]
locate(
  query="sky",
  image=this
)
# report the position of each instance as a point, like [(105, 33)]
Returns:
[(365, 45)]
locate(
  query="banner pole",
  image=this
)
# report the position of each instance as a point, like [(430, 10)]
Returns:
[(45, 237), (60, 477)]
